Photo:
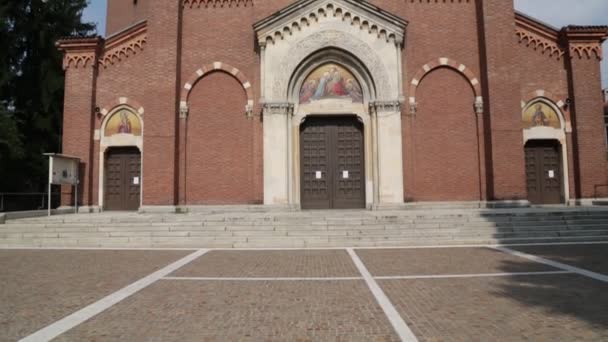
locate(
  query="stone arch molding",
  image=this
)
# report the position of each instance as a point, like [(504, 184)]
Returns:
[(386, 88), (445, 62), (207, 69)]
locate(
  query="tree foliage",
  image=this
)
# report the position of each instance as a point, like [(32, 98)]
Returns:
[(31, 86)]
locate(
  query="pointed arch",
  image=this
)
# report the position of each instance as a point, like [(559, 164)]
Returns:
[(217, 66), (451, 64)]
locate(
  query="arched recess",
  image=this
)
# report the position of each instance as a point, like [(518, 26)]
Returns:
[(445, 62), (217, 66), (535, 128), (219, 154), (129, 133), (331, 108), (445, 154)]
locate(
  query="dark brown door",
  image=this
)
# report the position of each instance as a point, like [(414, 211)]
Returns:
[(122, 179), (544, 172), (332, 163)]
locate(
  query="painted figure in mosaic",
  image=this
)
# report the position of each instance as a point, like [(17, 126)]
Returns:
[(125, 124), (354, 90), (539, 118), (321, 88), (308, 90)]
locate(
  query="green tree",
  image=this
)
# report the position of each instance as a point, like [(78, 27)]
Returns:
[(31, 86)]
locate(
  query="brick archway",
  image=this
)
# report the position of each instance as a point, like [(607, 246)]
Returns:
[(123, 101), (446, 63), (217, 66)]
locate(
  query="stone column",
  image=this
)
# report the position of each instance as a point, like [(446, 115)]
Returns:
[(389, 152), (276, 153)]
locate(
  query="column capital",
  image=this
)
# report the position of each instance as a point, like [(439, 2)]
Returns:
[(278, 108)]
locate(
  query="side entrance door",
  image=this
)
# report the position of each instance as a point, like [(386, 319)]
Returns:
[(332, 164), (544, 172), (122, 179)]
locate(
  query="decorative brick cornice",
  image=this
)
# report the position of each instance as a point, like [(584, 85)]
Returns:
[(445, 63), (79, 52), (539, 36), (124, 45), (217, 3), (208, 68)]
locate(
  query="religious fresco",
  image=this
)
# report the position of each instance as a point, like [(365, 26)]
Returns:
[(330, 81), (123, 122), (540, 114)]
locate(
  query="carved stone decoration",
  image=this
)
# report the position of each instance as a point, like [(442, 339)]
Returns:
[(385, 106), (479, 105), (306, 13), (413, 107), (304, 48), (278, 108), (216, 3), (183, 110)]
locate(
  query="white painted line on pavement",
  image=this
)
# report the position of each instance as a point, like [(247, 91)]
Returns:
[(473, 275), (262, 278), (61, 326), (555, 264), (396, 320)]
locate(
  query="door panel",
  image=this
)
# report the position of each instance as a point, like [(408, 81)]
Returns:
[(332, 163), (122, 179), (544, 178)]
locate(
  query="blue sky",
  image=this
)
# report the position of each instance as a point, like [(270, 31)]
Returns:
[(555, 12)]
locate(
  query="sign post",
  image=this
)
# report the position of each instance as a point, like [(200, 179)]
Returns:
[(63, 170)]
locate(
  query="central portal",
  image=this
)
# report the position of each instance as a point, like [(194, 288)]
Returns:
[(332, 163)]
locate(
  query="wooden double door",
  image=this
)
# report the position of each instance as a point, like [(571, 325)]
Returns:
[(544, 176), (332, 163), (122, 183)]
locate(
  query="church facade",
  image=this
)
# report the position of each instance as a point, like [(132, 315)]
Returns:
[(331, 104)]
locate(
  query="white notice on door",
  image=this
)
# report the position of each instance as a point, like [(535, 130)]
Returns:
[(318, 175), (551, 174), (345, 174), (135, 180)]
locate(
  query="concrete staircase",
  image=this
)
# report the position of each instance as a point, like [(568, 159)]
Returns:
[(356, 228)]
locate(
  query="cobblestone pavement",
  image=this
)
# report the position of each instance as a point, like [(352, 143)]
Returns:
[(521, 308), (444, 294), (435, 261), (38, 287), (182, 310), (295, 263), (591, 257)]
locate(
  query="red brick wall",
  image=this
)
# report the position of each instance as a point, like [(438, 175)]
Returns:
[(124, 13), (500, 79), (445, 153), (219, 152), (590, 162), (78, 129), (161, 84)]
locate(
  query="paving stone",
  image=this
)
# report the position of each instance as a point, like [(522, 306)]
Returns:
[(39, 287), (521, 308), (295, 263), (242, 311), (590, 257), (429, 261)]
